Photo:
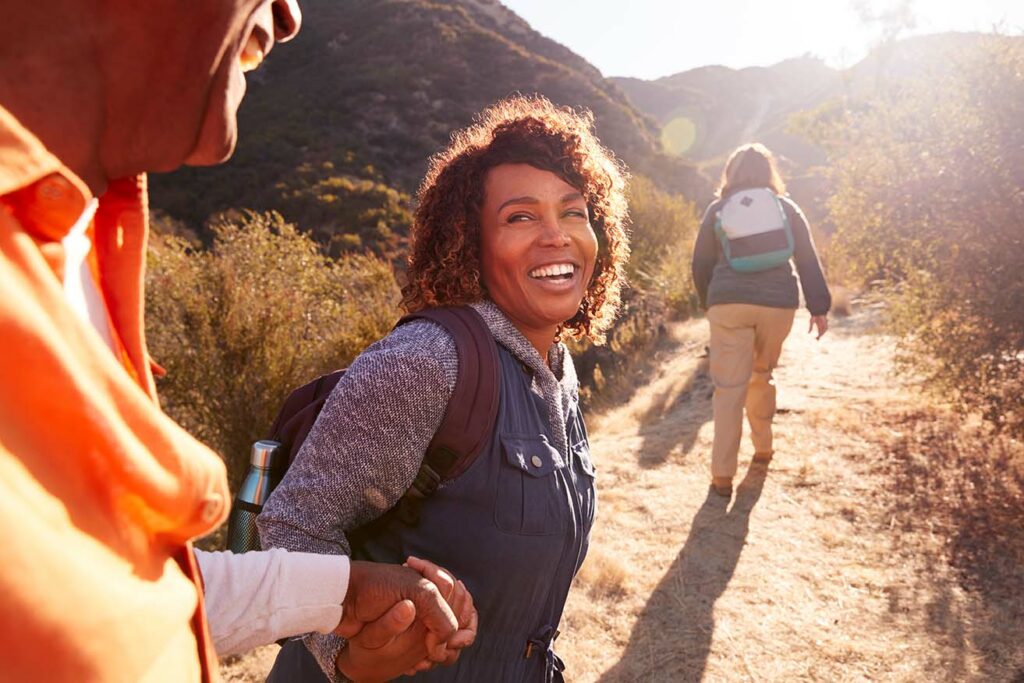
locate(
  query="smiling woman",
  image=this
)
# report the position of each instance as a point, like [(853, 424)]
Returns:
[(522, 220), (530, 162), (537, 248)]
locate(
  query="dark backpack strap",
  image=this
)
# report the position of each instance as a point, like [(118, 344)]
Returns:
[(298, 414), (472, 410)]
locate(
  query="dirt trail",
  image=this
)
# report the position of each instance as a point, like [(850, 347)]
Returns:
[(807, 574), (817, 570)]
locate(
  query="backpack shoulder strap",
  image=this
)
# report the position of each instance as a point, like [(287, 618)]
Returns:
[(472, 410), (297, 415), (473, 407), (787, 224)]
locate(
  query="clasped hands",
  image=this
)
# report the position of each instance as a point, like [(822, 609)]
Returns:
[(402, 620)]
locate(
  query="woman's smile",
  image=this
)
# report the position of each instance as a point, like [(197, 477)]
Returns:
[(556, 277), (538, 248)]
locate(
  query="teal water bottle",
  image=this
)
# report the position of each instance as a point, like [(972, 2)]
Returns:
[(262, 477)]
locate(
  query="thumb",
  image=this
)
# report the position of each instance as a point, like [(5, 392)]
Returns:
[(438, 576), (389, 626), (349, 626)]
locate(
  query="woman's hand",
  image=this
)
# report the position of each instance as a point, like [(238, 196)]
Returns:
[(461, 603), (397, 642), (821, 321)]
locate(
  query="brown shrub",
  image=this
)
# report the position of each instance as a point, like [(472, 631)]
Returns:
[(927, 203), (240, 325)]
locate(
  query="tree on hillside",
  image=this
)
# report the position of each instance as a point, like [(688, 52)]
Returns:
[(928, 200), (661, 289), (344, 213)]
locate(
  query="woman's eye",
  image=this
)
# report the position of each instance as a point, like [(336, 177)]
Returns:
[(519, 217), (577, 213)]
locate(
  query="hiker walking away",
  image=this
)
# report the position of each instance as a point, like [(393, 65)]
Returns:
[(521, 220), (100, 492), (751, 236)]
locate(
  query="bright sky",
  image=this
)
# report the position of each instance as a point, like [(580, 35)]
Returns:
[(654, 38)]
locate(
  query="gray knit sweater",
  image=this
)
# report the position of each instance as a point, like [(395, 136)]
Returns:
[(717, 283), (370, 439)]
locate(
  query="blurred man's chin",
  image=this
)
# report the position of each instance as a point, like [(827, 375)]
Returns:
[(213, 150), (219, 129)]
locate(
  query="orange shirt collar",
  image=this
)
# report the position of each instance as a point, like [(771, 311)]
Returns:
[(47, 196)]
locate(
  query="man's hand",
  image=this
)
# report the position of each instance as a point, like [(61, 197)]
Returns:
[(821, 321), (375, 588), (386, 648), (396, 642)]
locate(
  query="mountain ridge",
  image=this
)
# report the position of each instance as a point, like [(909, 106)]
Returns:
[(372, 88), (729, 106)]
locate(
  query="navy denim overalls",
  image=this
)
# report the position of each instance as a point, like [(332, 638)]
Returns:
[(514, 528)]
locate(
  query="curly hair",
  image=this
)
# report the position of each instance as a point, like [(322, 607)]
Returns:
[(444, 255)]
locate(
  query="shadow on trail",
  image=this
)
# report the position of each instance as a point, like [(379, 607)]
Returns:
[(672, 637), (675, 416), (966, 488)]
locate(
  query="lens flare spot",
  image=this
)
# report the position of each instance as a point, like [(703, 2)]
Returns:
[(678, 135)]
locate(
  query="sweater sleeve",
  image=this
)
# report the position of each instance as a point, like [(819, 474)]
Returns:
[(805, 256), (364, 450), (705, 254)]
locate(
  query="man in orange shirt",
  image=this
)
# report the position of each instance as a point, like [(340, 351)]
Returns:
[(100, 492)]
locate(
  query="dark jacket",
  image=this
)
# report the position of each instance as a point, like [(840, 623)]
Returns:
[(514, 528), (718, 283)]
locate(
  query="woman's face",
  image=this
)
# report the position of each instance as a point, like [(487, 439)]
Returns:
[(538, 248)]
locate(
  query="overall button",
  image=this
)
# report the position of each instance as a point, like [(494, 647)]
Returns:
[(537, 462)]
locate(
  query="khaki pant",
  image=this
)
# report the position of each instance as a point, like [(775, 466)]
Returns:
[(746, 341)]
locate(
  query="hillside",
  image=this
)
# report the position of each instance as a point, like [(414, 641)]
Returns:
[(706, 112), (374, 87)]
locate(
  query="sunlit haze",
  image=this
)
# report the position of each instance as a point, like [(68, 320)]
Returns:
[(654, 38)]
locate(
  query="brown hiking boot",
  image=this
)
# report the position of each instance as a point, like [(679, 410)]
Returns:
[(763, 457), (722, 486)]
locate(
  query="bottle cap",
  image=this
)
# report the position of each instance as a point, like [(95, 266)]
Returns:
[(265, 454)]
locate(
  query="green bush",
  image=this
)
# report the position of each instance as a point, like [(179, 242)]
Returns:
[(664, 229), (260, 312), (927, 202), (345, 213)]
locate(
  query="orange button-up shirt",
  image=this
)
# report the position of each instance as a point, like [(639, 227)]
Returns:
[(100, 491)]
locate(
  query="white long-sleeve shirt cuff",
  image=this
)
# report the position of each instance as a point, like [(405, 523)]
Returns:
[(258, 598)]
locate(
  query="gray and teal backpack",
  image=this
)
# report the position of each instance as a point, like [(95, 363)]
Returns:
[(754, 230)]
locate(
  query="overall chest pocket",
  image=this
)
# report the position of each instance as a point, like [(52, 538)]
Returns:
[(581, 451), (531, 495), (585, 483)]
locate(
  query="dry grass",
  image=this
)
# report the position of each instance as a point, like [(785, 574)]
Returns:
[(883, 543), (604, 576), (804, 576), (842, 302)]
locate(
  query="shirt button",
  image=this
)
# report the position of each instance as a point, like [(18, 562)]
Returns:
[(211, 509), (54, 188), (537, 462)]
